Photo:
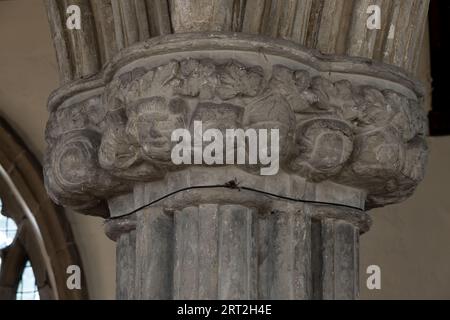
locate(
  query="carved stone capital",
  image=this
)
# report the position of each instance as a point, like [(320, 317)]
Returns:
[(345, 121)]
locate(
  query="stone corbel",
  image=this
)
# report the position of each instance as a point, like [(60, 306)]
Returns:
[(342, 120), (352, 135)]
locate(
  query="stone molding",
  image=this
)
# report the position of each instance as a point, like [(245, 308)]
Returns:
[(285, 185), (343, 120)]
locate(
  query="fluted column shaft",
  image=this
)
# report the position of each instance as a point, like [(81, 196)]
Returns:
[(229, 251)]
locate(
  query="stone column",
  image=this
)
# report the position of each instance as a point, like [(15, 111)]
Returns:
[(352, 137), (231, 244)]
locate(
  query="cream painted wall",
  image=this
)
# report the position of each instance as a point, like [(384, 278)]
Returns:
[(409, 241), (28, 73)]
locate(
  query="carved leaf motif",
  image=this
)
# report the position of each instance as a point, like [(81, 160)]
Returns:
[(335, 98), (196, 78), (374, 111), (293, 85), (140, 83), (272, 111), (87, 114), (162, 78), (234, 79), (355, 135), (119, 152)]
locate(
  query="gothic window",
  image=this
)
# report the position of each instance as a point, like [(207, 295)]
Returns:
[(36, 242), (26, 288)]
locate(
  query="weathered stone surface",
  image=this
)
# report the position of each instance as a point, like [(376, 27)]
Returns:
[(237, 252), (352, 133), (331, 26), (351, 128)]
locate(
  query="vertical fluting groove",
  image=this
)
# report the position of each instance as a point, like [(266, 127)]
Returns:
[(120, 41), (106, 35), (339, 260), (131, 21), (299, 21), (84, 52), (238, 15), (253, 16), (282, 250), (390, 36), (154, 258), (340, 27), (219, 250), (186, 254), (413, 29), (356, 232), (398, 55), (126, 261), (344, 26), (159, 17), (252, 254), (387, 12), (235, 258), (314, 23), (143, 25), (196, 253), (316, 260), (286, 19), (201, 15), (344, 261), (265, 266), (418, 36), (271, 17), (407, 25), (301, 276), (361, 40), (334, 24), (208, 251), (328, 256), (60, 44), (284, 256)]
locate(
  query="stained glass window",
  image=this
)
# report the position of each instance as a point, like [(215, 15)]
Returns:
[(8, 230), (27, 289), (21, 192)]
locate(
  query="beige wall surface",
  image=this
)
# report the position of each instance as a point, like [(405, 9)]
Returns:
[(409, 241), (28, 73)]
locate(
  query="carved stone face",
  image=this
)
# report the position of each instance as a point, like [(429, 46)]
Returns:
[(324, 146), (151, 123)]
